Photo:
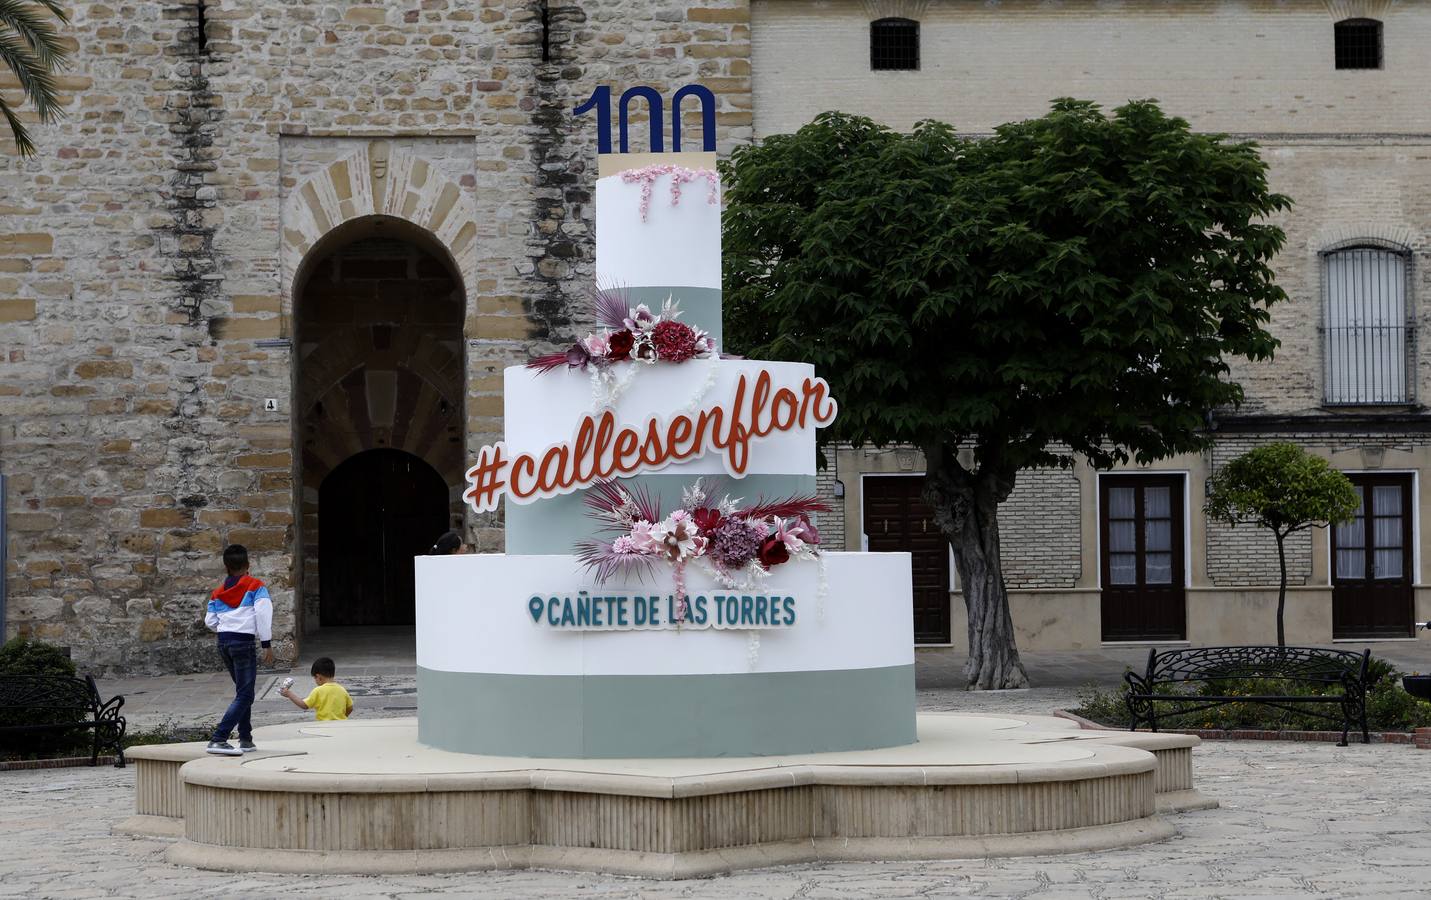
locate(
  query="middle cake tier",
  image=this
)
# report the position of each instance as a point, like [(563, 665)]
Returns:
[(543, 410)]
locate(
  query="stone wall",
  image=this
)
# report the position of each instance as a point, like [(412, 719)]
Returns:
[(147, 259)]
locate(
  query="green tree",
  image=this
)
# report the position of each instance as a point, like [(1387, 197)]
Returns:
[(1070, 286), (1285, 489), (32, 49)]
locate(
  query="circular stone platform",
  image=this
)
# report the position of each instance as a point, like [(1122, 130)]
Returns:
[(365, 797)]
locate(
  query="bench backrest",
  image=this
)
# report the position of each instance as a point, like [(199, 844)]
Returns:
[(48, 692), (1304, 664)]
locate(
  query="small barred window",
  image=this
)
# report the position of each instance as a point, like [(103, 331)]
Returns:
[(894, 44), (1358, 44)]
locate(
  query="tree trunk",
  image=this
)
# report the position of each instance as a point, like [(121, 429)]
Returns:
[(966, 509), (1281, 589)]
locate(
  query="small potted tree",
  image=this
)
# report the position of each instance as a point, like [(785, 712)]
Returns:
[(1285, 489)]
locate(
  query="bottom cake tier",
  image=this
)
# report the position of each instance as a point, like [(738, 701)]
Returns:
[(527, 656)]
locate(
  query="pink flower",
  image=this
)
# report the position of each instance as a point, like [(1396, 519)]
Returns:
[(643, 539), (625, 545), (787, 536), (806, 531), (596, 344), (640, 319)]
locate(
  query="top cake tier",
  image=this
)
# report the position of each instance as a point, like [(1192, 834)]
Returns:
[(658, 232)]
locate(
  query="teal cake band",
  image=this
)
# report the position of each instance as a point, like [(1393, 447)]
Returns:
[(667, 716)]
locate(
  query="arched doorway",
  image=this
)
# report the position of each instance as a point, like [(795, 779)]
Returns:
[(378, 318), (376, 511)]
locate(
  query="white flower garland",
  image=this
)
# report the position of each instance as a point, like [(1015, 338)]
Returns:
[(712, 373), (752, 649), (607, 387), (822, 588)]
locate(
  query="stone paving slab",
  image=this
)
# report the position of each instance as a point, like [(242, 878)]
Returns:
[(1296, 820)]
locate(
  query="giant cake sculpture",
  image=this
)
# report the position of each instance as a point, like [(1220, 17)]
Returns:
[(663, 593)]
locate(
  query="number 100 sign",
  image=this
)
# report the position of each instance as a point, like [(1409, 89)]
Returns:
[(600, 101)]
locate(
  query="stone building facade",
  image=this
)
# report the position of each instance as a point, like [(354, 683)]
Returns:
[(253, 202), (362, 212)]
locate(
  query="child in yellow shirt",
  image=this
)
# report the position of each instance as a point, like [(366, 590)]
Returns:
[(328, 700)]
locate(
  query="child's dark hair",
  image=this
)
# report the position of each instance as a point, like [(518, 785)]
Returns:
[(447, 544), (324, 666), (235, 558)]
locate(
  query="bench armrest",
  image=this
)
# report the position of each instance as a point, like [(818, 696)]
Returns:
[(109, 709)]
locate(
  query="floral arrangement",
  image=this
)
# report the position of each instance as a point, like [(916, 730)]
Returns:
[(629, 334), (679, 175), (738, 545)]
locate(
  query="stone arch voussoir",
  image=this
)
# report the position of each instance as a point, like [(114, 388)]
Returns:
[(1357, 9), (896, 9), (380, 179)]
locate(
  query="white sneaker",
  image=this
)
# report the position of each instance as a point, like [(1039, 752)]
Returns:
[(222, 748)]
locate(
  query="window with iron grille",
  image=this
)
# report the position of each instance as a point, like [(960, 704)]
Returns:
[(1358, 44), (1368, 338), (894, 44)]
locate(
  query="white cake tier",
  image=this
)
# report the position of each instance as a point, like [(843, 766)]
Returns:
[(544, 409), (503, 668), (676, 245), (473, 616)]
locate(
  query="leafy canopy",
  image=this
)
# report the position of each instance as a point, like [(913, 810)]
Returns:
[(1282, 487), (1071, 285)]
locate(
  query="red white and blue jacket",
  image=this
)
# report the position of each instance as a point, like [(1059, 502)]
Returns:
[(241, 606)]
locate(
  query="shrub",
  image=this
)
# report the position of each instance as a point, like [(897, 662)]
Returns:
[(22, 656), (1388, 706)]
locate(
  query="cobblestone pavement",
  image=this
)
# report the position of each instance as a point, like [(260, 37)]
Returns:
[(1296, 820)]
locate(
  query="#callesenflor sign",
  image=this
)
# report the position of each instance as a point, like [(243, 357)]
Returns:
[(602, 449)]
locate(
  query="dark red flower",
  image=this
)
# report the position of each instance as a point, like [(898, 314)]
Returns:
[(773, 552), (620, 344), (675, 341), (707, 518)]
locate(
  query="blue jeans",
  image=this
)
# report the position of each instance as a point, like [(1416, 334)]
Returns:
[(241, 659)]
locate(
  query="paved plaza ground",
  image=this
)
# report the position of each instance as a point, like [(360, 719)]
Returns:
[(1296, 819)]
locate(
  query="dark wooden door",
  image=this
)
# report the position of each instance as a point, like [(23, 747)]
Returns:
[(896, 519), (1372, 560), (376, 511), (1144, 597)]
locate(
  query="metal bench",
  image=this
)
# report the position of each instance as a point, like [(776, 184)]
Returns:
[(1169, 671), (61, 694)]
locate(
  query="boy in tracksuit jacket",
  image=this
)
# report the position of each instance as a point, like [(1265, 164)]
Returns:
[(239, 611)]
